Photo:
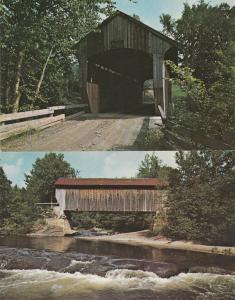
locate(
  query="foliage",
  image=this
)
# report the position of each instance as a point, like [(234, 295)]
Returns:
[(17, 212), (201, 202), (120, 222), (22, 213), (45, 171), (37, 43), (19, 209), (152, 167), (203, 112), (206, 111), (5, 192), (202, 31)]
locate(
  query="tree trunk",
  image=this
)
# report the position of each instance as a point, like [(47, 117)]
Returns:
[(17, 92), (7, 85), (43, 73)]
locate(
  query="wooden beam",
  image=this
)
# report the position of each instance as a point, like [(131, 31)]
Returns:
[(162, 113), (26, 114), (69, 106), (10, 130), (38, 113)]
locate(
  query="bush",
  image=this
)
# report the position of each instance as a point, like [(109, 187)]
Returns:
[(205, 110)]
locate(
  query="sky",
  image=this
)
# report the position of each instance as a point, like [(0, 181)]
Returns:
[(90, 164), (149, 11)]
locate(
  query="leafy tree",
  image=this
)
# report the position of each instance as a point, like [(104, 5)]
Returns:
[(206, 111), (201, 32), (152, 167), (22, 213), (201, 201), (202, 114), (45, 171), (168, 25), (37, 47), (5, 195), (17, 213)]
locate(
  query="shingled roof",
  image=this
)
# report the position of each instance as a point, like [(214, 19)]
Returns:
[(108, 182)]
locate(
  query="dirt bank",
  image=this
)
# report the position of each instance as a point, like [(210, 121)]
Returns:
[(52, 227), (141, 239)]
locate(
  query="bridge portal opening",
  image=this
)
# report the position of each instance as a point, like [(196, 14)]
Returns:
[(119, 76), (115, 61), (111, 222)]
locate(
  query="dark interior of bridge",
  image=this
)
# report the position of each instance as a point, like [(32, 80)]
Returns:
[(120, 74)]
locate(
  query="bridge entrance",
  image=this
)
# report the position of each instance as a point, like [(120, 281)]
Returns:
[(120, 75), (117, 58)]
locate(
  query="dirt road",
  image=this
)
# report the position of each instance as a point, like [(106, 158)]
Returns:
[(89, 132)]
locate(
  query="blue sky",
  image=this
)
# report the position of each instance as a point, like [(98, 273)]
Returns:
[(91, 164), (149, 11)]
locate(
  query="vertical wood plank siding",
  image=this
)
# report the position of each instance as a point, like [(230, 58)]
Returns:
[(122, 32), (133, 35), (112, 200), (93, 97)]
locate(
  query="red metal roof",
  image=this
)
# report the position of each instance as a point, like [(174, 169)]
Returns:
[(82, 182)]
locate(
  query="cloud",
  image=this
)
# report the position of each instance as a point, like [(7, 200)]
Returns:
[(126, 164), (167, 157), (14, 171), (116, 165)]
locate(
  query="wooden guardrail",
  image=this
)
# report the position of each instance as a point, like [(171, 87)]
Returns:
[(16, 123)]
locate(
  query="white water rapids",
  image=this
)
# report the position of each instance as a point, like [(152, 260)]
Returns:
[(43, 284)]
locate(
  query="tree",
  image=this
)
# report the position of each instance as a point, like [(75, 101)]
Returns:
[(22, 213), (152, 167), (206, 111), (45, 171), (37, 47), (17, 213), (137, 17), (5, 192), (201, 202), (168, 25), (201, 32)]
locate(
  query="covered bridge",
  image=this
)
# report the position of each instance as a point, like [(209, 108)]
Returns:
[(110, 195), (116, 60)]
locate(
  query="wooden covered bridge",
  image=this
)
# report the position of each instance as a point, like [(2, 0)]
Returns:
[(110, 195), (116, 60)]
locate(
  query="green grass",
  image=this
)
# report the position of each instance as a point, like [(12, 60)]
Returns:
[(177, 91)]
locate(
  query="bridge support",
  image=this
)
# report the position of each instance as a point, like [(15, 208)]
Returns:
[(159, 85)]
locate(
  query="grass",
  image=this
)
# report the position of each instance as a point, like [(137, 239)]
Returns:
[(177, 91)]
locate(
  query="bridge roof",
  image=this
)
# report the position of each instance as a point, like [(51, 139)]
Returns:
[(108, 182), (133, 20)]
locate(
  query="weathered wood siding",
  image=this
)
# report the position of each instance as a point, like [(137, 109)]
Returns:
[(123, 32), (93, 93), (128, 34), (112, 200)]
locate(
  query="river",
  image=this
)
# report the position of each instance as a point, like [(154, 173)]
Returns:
[(65, 268)]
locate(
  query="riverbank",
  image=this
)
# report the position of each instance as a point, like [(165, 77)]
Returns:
[(142, 238), (51, 227)]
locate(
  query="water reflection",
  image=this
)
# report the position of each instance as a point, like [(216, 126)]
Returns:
[(65, 244)]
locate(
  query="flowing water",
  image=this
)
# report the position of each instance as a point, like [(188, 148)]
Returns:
[(69, 269)]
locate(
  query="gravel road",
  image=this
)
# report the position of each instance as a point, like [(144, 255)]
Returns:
[(89, 132)]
